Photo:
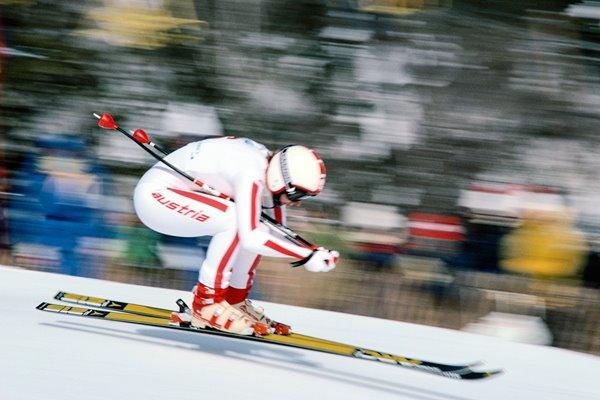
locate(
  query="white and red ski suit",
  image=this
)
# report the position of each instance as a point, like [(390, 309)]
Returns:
[(170, 204)]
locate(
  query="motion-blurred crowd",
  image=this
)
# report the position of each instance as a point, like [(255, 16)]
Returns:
[(63, 213)]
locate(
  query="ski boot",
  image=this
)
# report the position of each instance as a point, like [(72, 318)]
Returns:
[(257, 314), (239, 300), (210, 310)]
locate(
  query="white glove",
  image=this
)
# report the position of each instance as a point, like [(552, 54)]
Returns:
[(322, 260)]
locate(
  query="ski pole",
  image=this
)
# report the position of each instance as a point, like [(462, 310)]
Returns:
[(140, 137)]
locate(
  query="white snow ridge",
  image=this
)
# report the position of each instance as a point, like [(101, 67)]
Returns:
[(50, 356)]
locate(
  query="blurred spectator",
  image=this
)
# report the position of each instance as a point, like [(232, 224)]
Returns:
[(480, 249), (434, 235), (140, 243), (591, 270), (4, 245), (375, 233), (376, 249), (545, 245), (132, 252), (491, 210), (61, 190)]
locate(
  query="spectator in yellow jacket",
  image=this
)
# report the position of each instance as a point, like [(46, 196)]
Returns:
[(545, 245)]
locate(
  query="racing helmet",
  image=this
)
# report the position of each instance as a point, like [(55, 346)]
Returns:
[(296, 171)]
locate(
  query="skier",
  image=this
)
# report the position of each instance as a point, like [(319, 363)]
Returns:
[(255, 179)]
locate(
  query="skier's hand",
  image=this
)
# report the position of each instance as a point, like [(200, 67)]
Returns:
[(322, 260)]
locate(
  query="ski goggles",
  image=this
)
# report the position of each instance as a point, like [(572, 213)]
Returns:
[(296, 194), (292, 195)]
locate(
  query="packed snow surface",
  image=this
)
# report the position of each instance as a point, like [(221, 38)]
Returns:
[(49, 356)]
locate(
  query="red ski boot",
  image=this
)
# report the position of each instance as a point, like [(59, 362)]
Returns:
[(238, 299), (210, 309)]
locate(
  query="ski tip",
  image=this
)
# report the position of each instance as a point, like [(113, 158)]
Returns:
[(59, 295), (475, 375), (488, 374), (42, 305)]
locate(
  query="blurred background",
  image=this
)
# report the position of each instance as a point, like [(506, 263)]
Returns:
[(460, 139)]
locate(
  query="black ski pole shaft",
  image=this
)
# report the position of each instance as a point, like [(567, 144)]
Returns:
[(287, 232), (141, 138)]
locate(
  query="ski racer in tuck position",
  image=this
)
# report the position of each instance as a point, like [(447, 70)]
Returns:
[(255, 178)]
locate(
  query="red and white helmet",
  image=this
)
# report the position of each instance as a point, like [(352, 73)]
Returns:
[(296, 170)]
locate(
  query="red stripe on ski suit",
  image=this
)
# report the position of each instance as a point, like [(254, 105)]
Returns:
[(278, 214), (209, 200), (225, 260), (251, 272), (255, 204), (274, 246)]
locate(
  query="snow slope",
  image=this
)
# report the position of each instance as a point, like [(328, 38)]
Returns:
[(48, 356)]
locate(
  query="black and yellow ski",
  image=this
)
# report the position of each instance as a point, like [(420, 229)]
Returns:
[(113, 305), (152, 316)]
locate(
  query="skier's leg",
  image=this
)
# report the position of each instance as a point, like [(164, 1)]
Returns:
[(222, 253), (242, 275), (210, 306), (183, 213), (242, 279)]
